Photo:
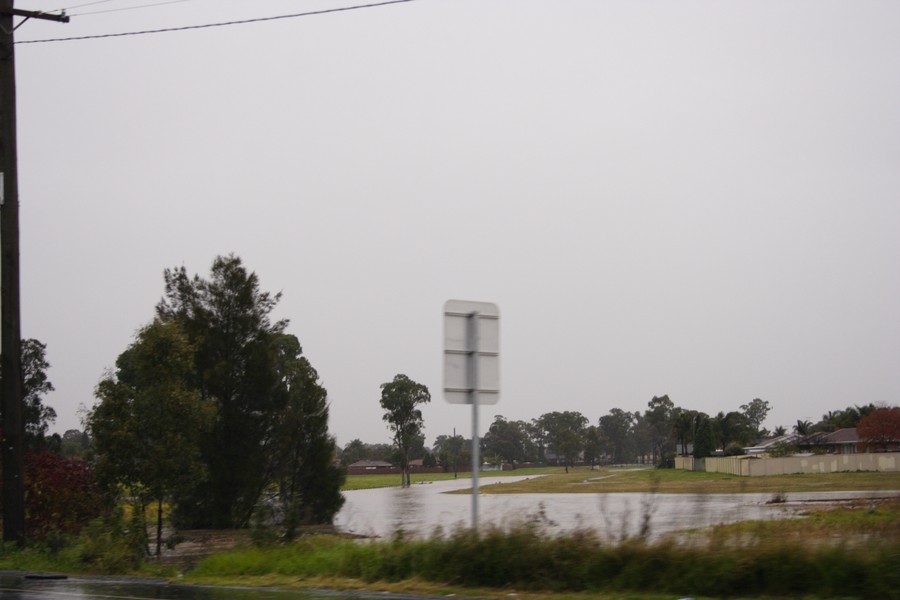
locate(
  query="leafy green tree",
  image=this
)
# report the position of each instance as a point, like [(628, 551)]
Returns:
[(452, 451), (803, 427), (509, 440), (417, 447), (353, 452), (755, 412), (269, 414), (593, 445), (308, 480), (642, 438), (704, 437), (147, 425), (74, 442), (36, 416), (429, 460), (616, 429), (842, 419), (733, 428), (683, 428), (227, 319), (659, 418), (538, 439), (564, 432), (400, 399)]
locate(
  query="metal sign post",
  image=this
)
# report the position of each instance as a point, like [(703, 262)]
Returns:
[(472, 367)]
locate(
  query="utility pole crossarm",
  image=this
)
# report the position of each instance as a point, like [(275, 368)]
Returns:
[(33, 14)]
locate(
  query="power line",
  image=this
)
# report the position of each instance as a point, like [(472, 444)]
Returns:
[(124, 8), (82, 5), (225, 24)]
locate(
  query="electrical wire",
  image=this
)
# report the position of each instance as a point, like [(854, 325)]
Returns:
[(109, 10), (210, 25), (81, 5)]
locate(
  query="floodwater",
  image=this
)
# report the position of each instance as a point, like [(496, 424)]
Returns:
[(424, 508), (21, 588)]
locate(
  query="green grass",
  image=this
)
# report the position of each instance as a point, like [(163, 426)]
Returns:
[(854, 523), (365, 482), (583, 480), (672, 481), (70, 559), (524, 560)]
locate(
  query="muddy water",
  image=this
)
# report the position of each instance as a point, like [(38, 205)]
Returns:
[(423, 508), (20, 588)]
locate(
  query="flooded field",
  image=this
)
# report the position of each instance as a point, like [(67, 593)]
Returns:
[(20, 588), (422, 508)]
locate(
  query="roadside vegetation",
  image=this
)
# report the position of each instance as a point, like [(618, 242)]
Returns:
[(827, 554), (850, 551)]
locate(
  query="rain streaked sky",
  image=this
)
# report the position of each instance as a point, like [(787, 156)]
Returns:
[(692, 198)]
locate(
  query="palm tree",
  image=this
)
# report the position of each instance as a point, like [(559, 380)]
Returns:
[(802, 427)]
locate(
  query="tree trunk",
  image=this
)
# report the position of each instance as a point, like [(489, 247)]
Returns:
[(159, 511)]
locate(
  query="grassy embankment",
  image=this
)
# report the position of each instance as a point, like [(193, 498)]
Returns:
[(852, 551), (554, 480), (365, 482), (849, 551)]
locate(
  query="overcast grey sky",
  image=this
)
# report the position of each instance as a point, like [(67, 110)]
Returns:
[(694, 198)]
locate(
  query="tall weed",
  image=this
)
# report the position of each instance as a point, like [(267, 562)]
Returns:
[(750, 562)]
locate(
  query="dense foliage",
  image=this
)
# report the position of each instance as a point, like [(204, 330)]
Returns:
[(400, 399), (36, 415), (225, 399), (148, 424), (61, 495), (879, 429)]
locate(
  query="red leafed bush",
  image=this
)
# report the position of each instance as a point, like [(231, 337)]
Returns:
[(880, 429), (61, 495)]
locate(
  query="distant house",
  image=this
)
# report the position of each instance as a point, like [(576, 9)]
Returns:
[(765, 445), (370, 465), (416, 463), (842, 441)]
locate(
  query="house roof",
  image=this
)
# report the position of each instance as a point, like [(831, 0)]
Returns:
[(371, 463), (843, 436), (767, 443), (822, 438)]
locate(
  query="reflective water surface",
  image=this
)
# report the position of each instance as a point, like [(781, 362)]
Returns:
[(423, 508), (18, 588)]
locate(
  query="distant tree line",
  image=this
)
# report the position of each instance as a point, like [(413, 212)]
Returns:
[(653, 436)]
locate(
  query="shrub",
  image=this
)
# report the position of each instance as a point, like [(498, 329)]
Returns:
[(61, 496), (110, 545)]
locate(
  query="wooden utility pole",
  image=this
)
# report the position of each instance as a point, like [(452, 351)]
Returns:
[(12, 430)]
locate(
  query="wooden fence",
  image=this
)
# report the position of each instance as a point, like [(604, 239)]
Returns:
[(754, 466)]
